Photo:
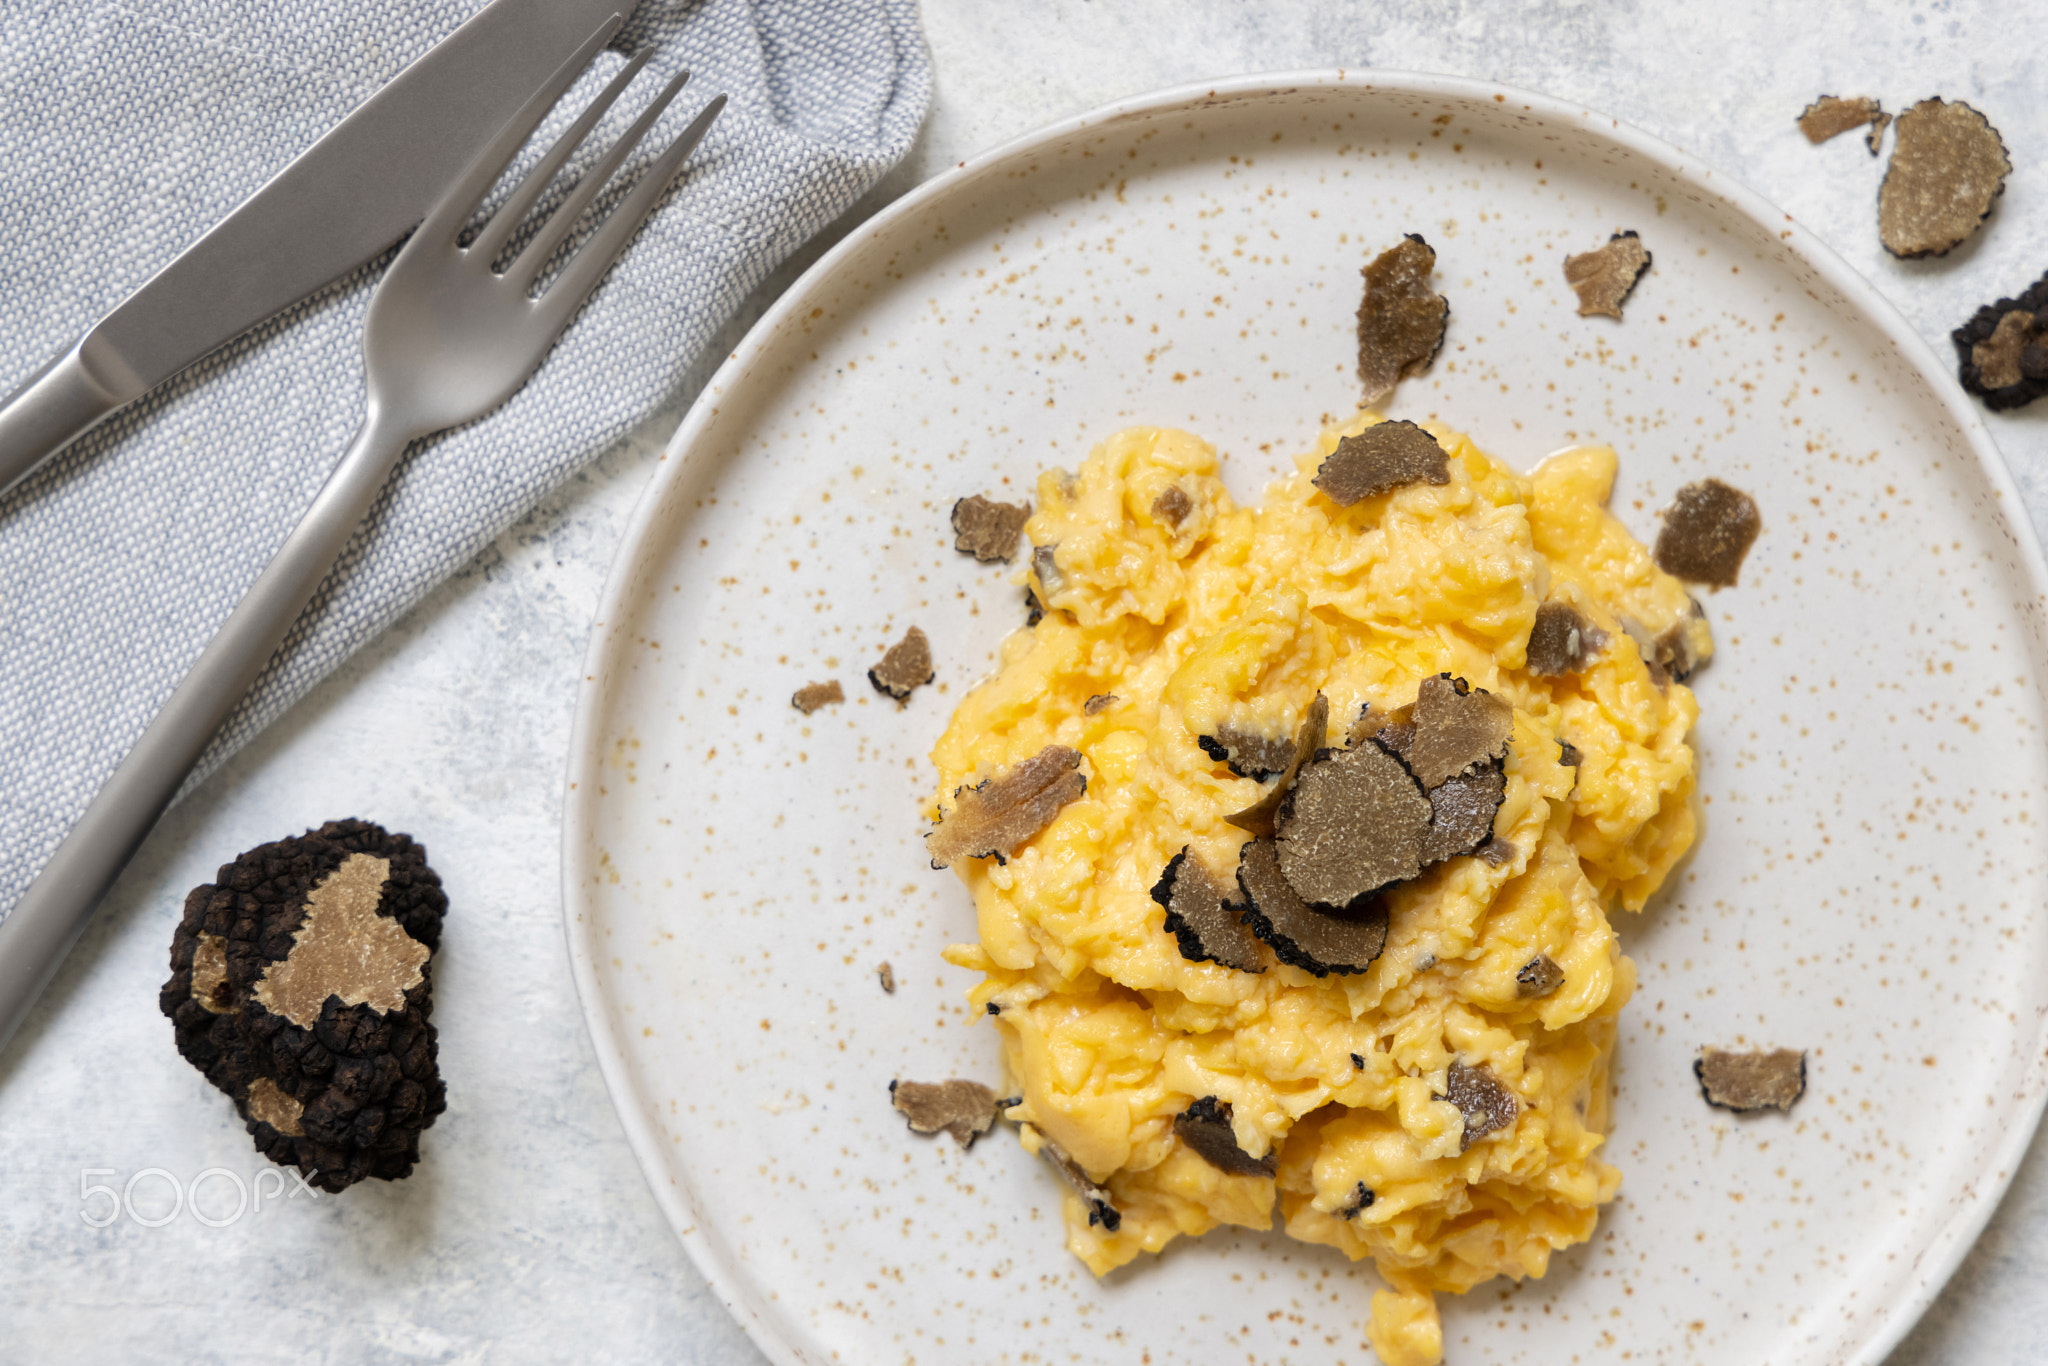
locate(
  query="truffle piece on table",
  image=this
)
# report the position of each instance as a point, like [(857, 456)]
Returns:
[(1205, 1127), (990, 819), (1948, 168), (906, 665), (1259, 817), (1301, 935), (1706, 533), (2003, 349), (1562, 641), (300, 986), (1386, 455), (1831, 116), (1605, 277), (1484, 1099), (1401, 320), (1762, 1079), (964, 1109), (812, 696), (1200, 917), (988, 530)]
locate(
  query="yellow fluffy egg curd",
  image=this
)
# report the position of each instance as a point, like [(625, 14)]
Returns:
[(1247, 613)]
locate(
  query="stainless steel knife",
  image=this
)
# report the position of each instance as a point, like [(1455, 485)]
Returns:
[(343, 200)]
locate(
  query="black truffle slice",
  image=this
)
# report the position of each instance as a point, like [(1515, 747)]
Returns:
[(1831, 116), (1948, 167), (1205, 1127), (1568, 754), (1259, 817), (1538, 977), (1098, 704), (1766, 1079), (906, 665), (1361, 1201), (1046, 565), (999, 813), (1456, 726), (812, 696), (1246, 754), (2003, 349), (1488, 1105), (964, 1109), (1172, 505), (1497, 852), (1386, 455), (1298, 933), (1401, 320), (886, 975), (1707, 532), (1100, 1209), (1562, 642), (1603, 278), (1034, 610), (300, 985), (1354, 823), (988, 530), (1461, 813), (1198, 916)]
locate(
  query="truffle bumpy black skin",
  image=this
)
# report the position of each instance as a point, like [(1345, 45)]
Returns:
[(367, 1079), (2033, 380)]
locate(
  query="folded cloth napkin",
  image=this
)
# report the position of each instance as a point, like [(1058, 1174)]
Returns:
[(128, 129)]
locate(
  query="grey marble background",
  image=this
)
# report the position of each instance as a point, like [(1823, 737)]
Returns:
[(528, 1233)]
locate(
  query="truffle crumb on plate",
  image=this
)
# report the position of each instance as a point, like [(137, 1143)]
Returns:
[(1604, 278), (997, 814), (1401, 320), (964, 1109), (1199, 916), (1205, 1127), (1831, 116), (1762, 1079), (1386, 455), (886, 975), (812, 696), (299, 985), (1948, 167), (906, 665), (1707, 532), (2003, 349), (1485, 1101), (988, 530)]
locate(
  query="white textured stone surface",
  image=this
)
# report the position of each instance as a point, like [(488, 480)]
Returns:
[(527, 1233)]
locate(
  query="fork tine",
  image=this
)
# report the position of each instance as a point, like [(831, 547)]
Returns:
[(448, 216), (534, 257), (507, 219), (595, 257)]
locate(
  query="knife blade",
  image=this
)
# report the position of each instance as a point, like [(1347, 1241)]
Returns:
[(339, 203)]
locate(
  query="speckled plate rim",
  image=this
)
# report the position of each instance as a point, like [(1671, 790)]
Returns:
[(1937, 1261)]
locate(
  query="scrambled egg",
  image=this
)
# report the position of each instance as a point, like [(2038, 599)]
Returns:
[(1110, 1033)]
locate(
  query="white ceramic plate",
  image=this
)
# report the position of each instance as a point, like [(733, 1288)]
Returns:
[(1871, 874)]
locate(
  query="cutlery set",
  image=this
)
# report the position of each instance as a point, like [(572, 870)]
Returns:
[(452, 331)]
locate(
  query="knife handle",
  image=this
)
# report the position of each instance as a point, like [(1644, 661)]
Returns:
[(60, 403)]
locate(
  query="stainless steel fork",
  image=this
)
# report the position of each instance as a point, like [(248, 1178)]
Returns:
[(447, 339)]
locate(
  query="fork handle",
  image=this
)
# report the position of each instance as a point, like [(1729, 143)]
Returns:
[(51, 915)]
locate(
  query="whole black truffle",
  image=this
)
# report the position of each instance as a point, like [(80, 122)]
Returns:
[(299, 986)]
